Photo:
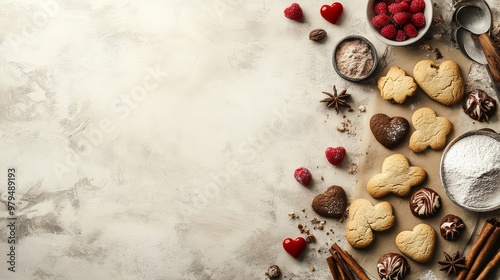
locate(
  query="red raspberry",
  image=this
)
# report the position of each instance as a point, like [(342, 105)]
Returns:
[(394, 8), (380, 21), (401, 36), (410, 30), (417, 6), (380, 8), (303, 176), (400, 18), (294, 12), (389, 31), (418, 20), (404, 6), (336, 155)]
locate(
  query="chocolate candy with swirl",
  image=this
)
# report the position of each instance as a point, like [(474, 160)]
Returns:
[(425, 203), (451, 227), (392, 266), (479, 105)]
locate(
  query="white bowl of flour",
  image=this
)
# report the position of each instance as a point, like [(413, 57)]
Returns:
[(470, 170)]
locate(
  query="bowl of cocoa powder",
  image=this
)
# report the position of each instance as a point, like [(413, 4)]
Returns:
[(354, 58)]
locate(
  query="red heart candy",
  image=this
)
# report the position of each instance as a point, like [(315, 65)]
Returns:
[(294, 247), (332, 13)]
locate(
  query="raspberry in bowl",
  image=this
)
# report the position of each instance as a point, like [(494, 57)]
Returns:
[(399, 22)]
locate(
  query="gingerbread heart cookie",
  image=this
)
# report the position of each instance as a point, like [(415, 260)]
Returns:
[(417, 244), (430, 130), (397, 177), (365, 218), (389, 131), (441, 82), (332, 203)]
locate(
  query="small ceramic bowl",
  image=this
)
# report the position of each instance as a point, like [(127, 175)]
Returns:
[(360, 72), (370, 13), (454, 183)]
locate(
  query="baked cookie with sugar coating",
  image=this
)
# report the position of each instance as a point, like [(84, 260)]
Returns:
[(396, 85), (397, 177), (418, 244), (364, 219), (430, 130), (441, 82)]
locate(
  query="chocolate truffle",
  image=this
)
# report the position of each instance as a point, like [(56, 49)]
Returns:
[(425, 203), (451, 227), (273, 272), (479, 106), (392, 266)]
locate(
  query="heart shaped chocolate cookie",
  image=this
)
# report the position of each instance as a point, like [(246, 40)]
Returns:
[(332, 203), (417, 244), (388, 131), (441, 82)]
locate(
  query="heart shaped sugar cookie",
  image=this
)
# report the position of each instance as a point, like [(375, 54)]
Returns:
[(388, 131), (441, 82), (418, 244), (332, 203)]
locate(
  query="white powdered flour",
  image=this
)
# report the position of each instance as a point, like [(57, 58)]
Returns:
[(471, 171)]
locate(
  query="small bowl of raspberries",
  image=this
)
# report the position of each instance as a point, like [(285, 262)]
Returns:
[(399, 22)]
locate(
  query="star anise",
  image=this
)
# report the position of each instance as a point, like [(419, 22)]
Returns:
[(337, 101), (452, 264)]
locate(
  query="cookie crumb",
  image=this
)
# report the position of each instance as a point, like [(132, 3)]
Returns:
[(437, 54), (322, 178), (346, 126), (315, 221), (303, 209), (310, 238), (353, 169), (426, 46), (291, 215), (303, 229), (362, 108), (320, 226), (312, 268)]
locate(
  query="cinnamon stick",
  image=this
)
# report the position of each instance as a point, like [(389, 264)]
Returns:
[(351, 262), (494, 263), (341, 272), (486, 231), (333, 268), (340, 262), (489, 247)]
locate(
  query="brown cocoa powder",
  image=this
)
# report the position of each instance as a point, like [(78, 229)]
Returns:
[(354, 58)]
